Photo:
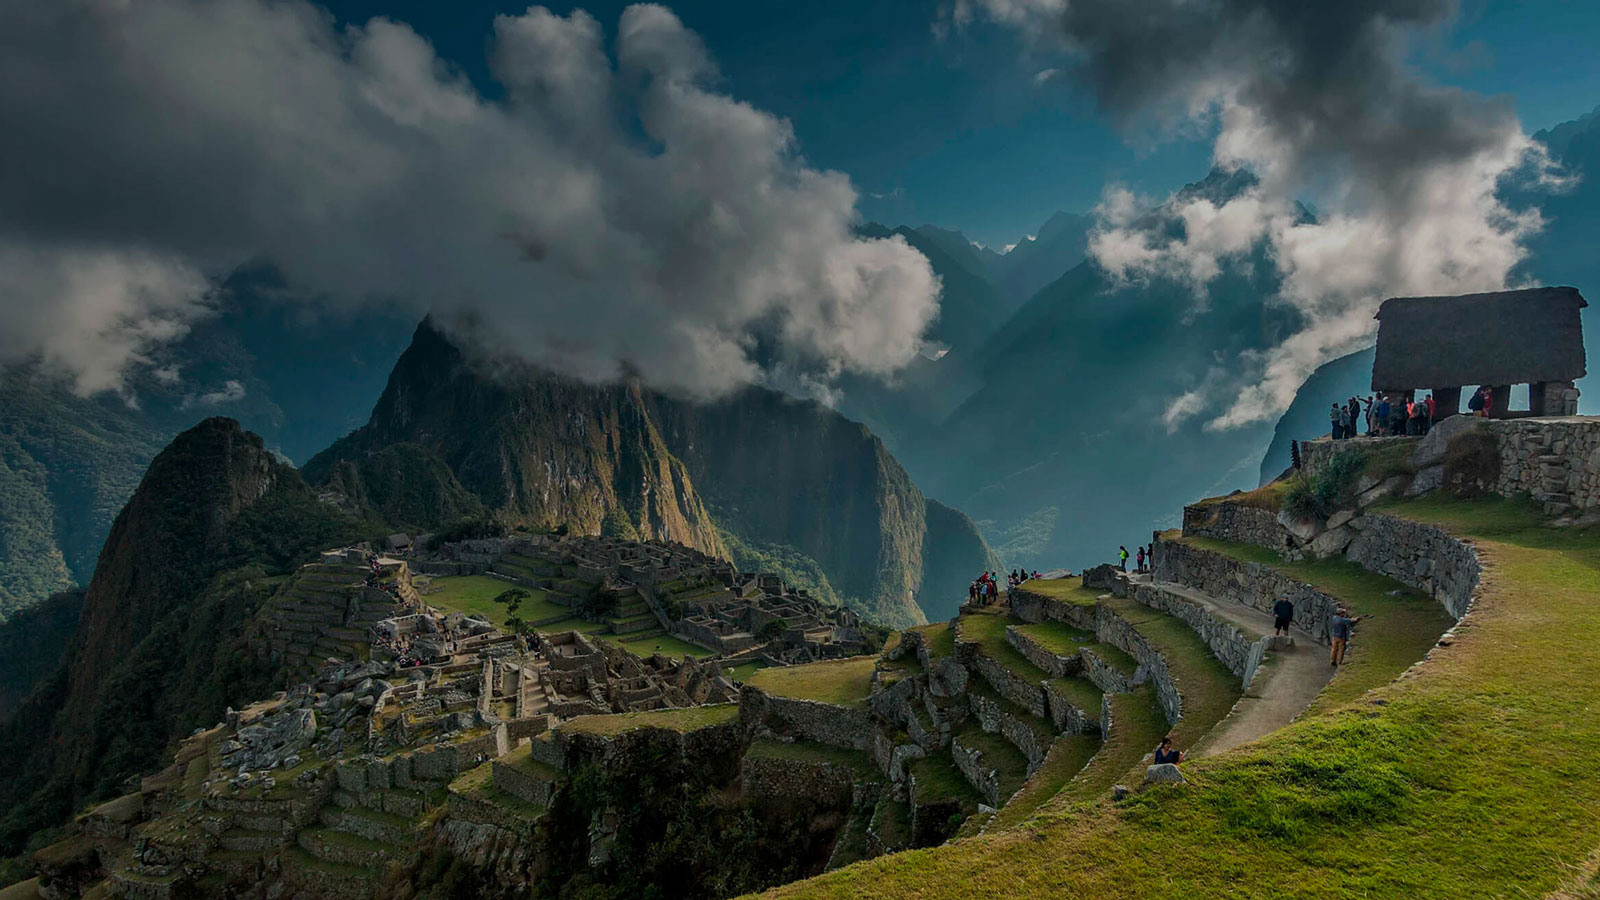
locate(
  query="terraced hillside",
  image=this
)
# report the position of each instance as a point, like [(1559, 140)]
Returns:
[(1469, 775), (1004, 753)]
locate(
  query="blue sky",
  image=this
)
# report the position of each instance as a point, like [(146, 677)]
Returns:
[(957, 133)]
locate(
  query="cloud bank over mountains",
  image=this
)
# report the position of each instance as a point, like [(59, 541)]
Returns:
[(1318, 102), (609, 212)]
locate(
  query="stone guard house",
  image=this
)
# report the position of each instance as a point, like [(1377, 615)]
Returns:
[(1442, 344)]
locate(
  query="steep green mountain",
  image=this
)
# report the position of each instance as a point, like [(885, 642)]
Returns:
[(67, 464), (154, 653), (540, 450), (31, 644)]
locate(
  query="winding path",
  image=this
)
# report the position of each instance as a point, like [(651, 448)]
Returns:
[(1280, 692)]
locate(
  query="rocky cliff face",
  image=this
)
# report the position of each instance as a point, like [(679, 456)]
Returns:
[(153, 655), (541, 450), (532, 448)]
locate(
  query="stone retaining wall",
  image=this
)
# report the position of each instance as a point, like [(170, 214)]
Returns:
[(1057, 665), (1252, 584), (984, 779), (993, 719), (522, 785), (825, 723), (1557, 461), (1227, 521), (1112, 629), (1422, 556), (789, 781), (1106, 678), (1241, 653), (1315, 454)]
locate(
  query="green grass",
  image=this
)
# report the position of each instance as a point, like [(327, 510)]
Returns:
[(522, 759), (474, 595), (1067, 757), (1069, 589), (1472, 777), (1064, 640), (665, 644), (1400, 632), (891, 820), (937, 778), (1208, 689), (689, 718), (1040, 727), (812, 752), (842, 682), (1268, 496), (988, 631), (939, 638), (743, 671), (1009, 764)]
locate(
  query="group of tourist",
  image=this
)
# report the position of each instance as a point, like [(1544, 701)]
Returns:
[(1382, 418), (1143, 561), (986, 587)]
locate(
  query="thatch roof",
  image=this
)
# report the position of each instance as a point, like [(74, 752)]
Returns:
[(1507, 337)]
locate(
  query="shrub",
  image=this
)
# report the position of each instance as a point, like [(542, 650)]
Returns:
[(1330, 490), (1472, 463)]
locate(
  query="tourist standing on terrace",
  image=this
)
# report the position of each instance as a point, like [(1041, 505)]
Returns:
[(1122, 557), (1282, 615), (1380, 419), (1141, 559), (1339, 634), (1336, 422)]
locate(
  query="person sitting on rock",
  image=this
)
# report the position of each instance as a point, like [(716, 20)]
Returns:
[(1166, 754), (1282, 615)]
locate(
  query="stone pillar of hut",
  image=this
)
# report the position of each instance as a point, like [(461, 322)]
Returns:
[(1446, 402)]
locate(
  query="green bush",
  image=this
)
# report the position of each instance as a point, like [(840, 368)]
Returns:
[(1331, 490)]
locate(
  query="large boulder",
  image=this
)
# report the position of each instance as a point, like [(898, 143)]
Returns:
[(1431, 450), (1163, 773), (1301, 529), (1333, 541)]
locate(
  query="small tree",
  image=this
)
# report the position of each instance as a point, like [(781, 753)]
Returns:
[(512, 599)]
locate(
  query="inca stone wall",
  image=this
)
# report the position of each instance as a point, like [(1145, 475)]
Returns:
[(786, 781), (1314, 455), (1249, 583), (825, 723), (1557, 461), (1234, 522), (1240, 652), (1111, 629), (1422, 556)]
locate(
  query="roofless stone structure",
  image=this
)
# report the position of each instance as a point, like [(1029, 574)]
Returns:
[(1532, 337)]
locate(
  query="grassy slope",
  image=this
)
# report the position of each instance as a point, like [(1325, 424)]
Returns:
[(1472, 777), (474, 595), (843, 682)]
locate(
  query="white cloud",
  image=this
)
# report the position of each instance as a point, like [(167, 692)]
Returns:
[(1317, 102), (611, 213), (231, 391)]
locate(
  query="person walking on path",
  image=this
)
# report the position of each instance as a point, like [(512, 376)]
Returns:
[(1282, 615), (1122, 557), (1339, 634)]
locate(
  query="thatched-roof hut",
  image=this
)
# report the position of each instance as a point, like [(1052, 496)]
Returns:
[(1532, 337)]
